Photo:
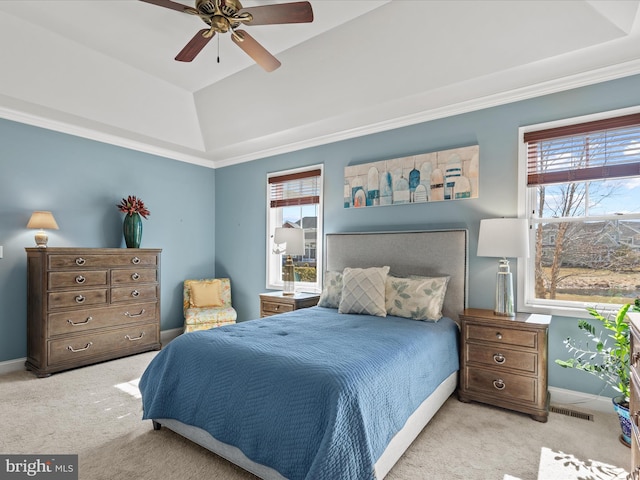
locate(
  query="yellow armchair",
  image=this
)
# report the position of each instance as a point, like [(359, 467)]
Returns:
[(207, 304)]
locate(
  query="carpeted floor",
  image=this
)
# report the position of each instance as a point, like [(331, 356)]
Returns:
[(95, 412)]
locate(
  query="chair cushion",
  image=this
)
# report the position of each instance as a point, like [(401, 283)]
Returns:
[(193, 316)]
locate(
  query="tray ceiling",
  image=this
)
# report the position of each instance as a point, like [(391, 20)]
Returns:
[(105, 69)]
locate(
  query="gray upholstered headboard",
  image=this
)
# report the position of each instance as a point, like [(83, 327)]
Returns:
[(428, 253)]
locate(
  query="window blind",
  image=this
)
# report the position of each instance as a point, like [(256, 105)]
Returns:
[(301, 188), (601, 149)]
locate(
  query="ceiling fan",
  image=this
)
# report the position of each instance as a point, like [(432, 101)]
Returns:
[(223, 16)]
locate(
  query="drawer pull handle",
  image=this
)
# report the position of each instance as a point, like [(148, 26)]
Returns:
[(135, 276), (135, 260), (499, 358), (71, 322), (131, 315), (133, 339), (634, 359), (499, 335), (499, 384), (80, 261), (635, 417), (80, 279), (80, 299), (86, 347), (135, 293)]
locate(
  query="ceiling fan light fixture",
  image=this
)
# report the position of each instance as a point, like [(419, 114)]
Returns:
[(224, 16)]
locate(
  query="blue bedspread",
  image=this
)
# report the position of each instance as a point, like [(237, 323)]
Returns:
[(312, 393)]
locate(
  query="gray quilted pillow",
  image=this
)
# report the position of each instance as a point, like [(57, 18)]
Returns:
[(363, 291)]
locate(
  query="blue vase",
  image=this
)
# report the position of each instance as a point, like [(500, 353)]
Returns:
[(625, 419), (132, 230)]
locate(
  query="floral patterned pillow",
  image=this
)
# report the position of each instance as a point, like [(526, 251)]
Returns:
[(418, 298), (331, 291)]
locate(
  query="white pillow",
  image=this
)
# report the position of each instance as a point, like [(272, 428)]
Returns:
[(363, 291), (419, 298), (331, 291)]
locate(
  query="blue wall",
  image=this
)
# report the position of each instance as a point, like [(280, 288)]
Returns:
[(241, 193), (81, 181)]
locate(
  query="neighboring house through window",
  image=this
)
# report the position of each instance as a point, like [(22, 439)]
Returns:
[(580, 190), (294, 200)]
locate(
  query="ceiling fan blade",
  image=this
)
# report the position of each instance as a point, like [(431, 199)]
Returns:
[(256, 51), (194, 46), (297, 12), (172, 5)]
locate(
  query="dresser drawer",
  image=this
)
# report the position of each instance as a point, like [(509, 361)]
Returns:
[(86, 346), (138, 293), (270, 308), (64, 323), (502, 335), (77, 298), (102, 260), (502, 357), (501, 385), (89, 278), (133, 276)]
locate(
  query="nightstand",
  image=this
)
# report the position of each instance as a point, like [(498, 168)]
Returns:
[(276, 302), (504, 361)]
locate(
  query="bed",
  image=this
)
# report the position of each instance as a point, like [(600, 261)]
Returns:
[(320, 393)]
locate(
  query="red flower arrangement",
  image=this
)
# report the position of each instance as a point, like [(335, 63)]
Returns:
[(132, 204)]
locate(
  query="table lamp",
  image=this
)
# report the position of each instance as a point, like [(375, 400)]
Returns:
[(42, 220), (294, 240), (504, 237)]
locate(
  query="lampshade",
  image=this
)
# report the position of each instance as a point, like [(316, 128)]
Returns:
[(503, 237), (42, 220), (293, 237)]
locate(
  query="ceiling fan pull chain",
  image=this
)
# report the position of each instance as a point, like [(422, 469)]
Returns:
[(218, 48)]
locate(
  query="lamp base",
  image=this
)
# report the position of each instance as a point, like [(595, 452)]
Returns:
[(41, 239), (504, 306), (288, 277)]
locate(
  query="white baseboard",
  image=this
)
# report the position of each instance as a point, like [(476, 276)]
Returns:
[(167, 335), (18, 364), (580, 400), (12, 365)]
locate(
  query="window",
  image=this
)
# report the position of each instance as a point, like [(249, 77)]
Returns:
[(581, 189), (294, 200)]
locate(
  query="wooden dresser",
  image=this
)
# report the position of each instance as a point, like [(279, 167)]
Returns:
[(504, 361), (86, 305), (634, 400), (276, 302)]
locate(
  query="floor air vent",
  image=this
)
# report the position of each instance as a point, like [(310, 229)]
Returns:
[(571, 413)]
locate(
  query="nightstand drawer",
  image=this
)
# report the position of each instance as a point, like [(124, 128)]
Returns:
[(501, 385), (502, 358), (272, 307), (502, 335)]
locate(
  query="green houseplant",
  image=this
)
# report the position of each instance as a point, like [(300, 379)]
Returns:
[(606, 354)]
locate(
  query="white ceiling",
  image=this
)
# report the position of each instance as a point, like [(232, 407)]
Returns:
[(104, 69)]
